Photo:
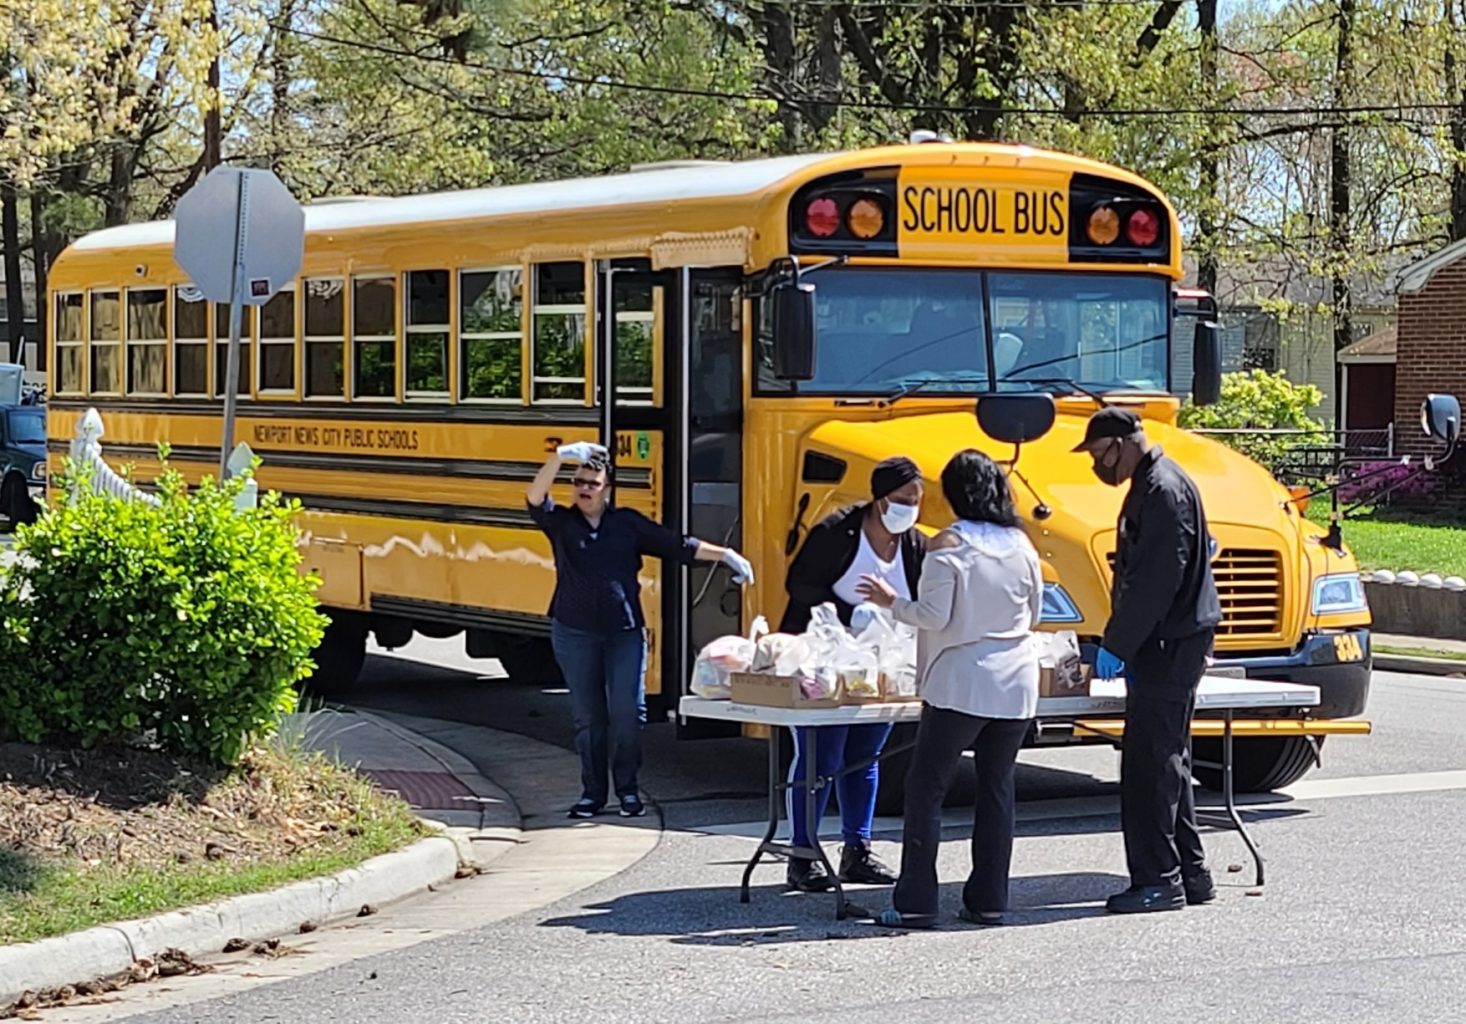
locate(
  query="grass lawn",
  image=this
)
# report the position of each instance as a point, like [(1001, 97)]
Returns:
[(91, 838), (1419, 652), (1399, 544)]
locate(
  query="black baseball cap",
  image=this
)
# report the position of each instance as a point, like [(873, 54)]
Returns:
[(1108, 423)]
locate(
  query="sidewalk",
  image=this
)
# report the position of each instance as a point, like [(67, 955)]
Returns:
[(439, 784), (1422, 655)]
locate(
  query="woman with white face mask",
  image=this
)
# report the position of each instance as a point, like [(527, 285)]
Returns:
[(877, 539)]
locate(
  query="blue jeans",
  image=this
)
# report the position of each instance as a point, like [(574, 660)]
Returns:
[(838, 746), (605, 675)]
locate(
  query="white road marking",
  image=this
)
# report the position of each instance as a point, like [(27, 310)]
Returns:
[(1087, 807)]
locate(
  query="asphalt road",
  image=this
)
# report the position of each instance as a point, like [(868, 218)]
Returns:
[(1361, 919)]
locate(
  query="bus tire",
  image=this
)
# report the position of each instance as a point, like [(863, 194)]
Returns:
[(1259, 765), (891, 791), (341, 654), (527, 659), (16, 501)]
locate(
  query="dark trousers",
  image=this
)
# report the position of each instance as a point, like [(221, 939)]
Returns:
[(940, 740), (837, 746), (605, 675), (1157, 807)]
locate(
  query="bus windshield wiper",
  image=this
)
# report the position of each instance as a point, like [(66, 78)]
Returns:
[(1062, 382), (912, 387)]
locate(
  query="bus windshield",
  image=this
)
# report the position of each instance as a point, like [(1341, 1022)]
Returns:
[(885, 331)]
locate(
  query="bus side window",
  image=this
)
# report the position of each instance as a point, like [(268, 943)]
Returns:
[(221, 348), (105, 342), (558, 338), (325, 338), (491, 335), (70, 343), (147, 341), (427, 334), (190, 344), (374, 337)]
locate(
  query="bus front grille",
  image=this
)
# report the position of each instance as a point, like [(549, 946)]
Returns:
[(1250, 585)]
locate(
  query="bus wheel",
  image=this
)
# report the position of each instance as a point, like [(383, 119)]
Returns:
[(1258, 765), (527, 659), (341, 654), (891, 794)]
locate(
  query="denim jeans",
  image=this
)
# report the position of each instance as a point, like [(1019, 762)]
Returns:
[(605, 675), (837, 746)]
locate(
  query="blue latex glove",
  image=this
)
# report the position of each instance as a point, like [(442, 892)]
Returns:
[(1108, 666)]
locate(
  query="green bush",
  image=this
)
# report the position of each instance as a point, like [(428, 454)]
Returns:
[(184, 624), (1258, 400)]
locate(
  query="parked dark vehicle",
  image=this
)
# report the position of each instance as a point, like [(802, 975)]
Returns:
[(22, 462)]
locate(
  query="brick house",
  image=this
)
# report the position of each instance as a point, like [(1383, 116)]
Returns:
[(1430, 344)]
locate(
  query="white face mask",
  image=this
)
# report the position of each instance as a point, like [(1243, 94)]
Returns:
[(899, 518)]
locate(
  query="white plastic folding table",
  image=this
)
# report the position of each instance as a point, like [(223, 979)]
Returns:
[(1106, 700)]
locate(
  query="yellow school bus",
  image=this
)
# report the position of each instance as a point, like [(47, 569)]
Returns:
[(771, 329)]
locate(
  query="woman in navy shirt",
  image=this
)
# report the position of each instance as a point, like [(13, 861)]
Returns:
[(596, 623)]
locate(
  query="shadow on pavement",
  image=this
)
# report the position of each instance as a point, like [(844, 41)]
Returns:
[(712, 916)]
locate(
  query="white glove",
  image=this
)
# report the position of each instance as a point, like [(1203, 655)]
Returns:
[(742, 570), (581, 451), (864, 614)]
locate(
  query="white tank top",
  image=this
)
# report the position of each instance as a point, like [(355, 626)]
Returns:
[(867, 563)]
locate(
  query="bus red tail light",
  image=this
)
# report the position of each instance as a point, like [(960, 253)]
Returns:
[(867, 218), (822, 217), (1104, 225), (1143, 228)]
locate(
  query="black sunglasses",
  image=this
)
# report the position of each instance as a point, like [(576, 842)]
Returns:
[(589, 485)]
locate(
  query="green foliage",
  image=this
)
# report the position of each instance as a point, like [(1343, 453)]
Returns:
[(1257, 400), (184, 624)]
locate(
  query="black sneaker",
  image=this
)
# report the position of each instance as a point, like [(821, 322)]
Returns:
[(584, 808), (808, 875), (632, 807), (1147, 899), (859, 866), (1200, 888)]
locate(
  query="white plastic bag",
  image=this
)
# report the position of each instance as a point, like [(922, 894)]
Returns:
[(713, 670), (780, 654)]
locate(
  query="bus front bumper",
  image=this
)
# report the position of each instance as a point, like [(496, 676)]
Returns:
[(1338, 664)]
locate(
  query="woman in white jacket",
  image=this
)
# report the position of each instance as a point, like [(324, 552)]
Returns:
[(979, 600)]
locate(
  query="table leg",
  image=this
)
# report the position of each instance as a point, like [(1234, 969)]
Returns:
[(1228, 795), (811, 777), (773, 815)]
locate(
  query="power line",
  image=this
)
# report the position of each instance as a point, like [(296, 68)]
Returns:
[(570, 78)]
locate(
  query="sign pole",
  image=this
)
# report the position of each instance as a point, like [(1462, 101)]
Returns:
[(236, 323)]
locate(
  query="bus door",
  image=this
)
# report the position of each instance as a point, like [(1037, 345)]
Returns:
[(709, 444), (686, 412)]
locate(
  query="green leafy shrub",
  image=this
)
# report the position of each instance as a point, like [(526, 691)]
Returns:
[(183, 624), (1256, 400)]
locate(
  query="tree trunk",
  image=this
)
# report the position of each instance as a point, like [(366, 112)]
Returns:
[(214, 116), (1339, 196), (1206, 268), (1457, 95), (780, 58), (280, 81), (41, 259), (14, 288), (998, 26)]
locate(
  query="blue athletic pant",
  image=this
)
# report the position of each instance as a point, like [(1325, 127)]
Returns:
[(838, 745)]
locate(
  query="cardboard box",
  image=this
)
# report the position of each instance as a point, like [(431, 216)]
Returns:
[(770, 691), (1065, 681)]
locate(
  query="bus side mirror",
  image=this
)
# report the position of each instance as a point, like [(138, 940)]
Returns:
[(794, 330), (1440, 415), (1206, 363)]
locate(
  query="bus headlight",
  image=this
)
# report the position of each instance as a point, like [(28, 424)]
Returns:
[(1059, 606), (1340, 593)]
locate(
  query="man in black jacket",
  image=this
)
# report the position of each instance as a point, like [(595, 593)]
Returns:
[(876, 538), (1164, 613)]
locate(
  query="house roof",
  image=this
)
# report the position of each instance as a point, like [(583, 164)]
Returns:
[(1416, 276), (1378, 347)]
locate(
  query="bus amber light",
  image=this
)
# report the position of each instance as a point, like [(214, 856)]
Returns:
[(1143, 228), (822, 217), (1104, 225), (1300, 498), (866, 218)]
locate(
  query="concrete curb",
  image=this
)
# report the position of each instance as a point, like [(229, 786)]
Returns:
[(1417, 665), (203, 930)]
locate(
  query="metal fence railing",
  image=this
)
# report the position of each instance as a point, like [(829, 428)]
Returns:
[(1309, 456)]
